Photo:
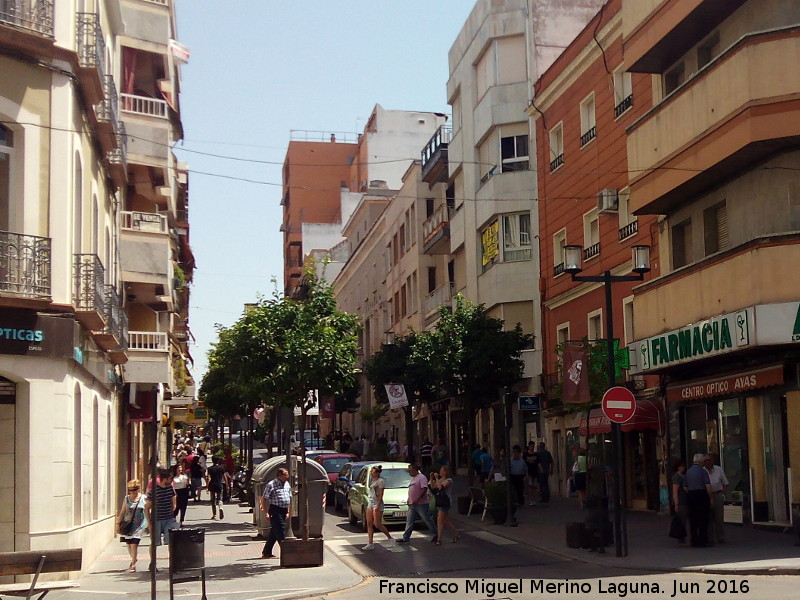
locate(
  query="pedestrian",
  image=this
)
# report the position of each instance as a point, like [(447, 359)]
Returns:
[(165, 501), (374, 516), (579, 470), (417, 504), (347, 439), (132, 520), (698, 501), (486, 465), (441, 485), (425, 453), (719, 487), (218, 479), (545, 471), (679, 501), (357, 447), (476, 460), (279, 494), (439, 454), (517, 473), (365, 446), (180, 483), (196, 476), (394, 448), (531, 459)]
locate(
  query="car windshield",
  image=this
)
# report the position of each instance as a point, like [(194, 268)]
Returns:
[(333, 465), (395, 478)]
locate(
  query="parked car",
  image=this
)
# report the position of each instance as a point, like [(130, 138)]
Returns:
[(395, 494), (315, 454), (345, 481), (333, 463)]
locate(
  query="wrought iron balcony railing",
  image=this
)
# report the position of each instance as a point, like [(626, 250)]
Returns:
[(591, 251), (91, 45), (558, 269), (588, 136), (623, 106), (120, 155), (116, 317), (24, 265), (108, 109), (90, 278), (629, 229), (557, 162), (33, 15), (441, 138)]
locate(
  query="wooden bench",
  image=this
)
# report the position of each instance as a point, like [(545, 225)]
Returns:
[(477, 497), (35, 563)]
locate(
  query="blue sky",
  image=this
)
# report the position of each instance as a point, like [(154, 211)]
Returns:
[(260, 68)]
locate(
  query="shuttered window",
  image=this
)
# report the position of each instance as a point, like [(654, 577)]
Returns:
[(682, 244), (715, 228)]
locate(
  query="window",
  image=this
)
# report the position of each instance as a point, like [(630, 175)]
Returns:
[(456, 113), (503, 62), (595, 325), (588, 126), (674, 78), (628, 223), (715, 226), (517, 237), (708, 50), (431, 279), (403, 300), (627, 319), (682, 244), (591, 234), (514, 153), (623, 91), (559, 241), (487, 157), (6, 156), (556, 146), (562, 334), (490, 246), (403, 239)]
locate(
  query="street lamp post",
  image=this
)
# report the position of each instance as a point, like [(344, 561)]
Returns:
[(573, 258)]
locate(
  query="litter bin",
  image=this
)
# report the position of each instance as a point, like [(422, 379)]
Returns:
[(187, 549), (317, 479)]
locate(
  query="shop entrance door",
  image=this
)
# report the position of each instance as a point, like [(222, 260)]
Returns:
[(774, 460)]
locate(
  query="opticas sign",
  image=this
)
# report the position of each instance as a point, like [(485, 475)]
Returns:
[(765, 324), (26, 333)]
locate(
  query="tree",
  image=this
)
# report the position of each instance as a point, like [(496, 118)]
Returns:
[(472, 355)]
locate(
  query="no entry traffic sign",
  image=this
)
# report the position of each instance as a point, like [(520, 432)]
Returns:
[(619, 405)]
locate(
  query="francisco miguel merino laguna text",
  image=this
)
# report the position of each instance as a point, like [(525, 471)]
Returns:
[(490, 588)]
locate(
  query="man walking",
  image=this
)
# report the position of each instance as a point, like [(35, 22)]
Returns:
[(719, 485), (425, 453), (417, 503), (279, 494), (166, 502), (519, 469), (218, 480), (698, 499), (545, 470)]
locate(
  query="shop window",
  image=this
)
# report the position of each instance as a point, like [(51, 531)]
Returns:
[(697, 429), (715, 225)]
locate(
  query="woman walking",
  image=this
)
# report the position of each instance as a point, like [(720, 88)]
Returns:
[(180, 482), (132, 520), (579, 476), (679, 502), (442, 486), (375, 508)]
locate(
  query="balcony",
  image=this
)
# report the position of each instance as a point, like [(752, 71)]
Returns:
[(117, 159), (558, 269), (91, 56), (438, 297), (436, 231), (145, 253), (90, 302), (623, 106), (24, 269), (434, 156), (148, 357), (556, 162), (107, 115), (733, 114), (588, 136), (27, 25), (591, 251), (113, 334), (143, 105), (629, 230)]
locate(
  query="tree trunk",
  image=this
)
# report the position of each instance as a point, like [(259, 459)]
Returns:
[(303, 500)]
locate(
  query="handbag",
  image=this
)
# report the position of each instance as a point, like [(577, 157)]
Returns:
[(441, 499), (677, 529)]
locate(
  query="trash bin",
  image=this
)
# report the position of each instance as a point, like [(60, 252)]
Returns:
[(187, 549), (317, 479)]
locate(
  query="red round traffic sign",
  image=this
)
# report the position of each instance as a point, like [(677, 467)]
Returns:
[(619, 405)]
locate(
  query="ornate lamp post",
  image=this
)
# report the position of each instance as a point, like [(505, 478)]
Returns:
[(573, 259)]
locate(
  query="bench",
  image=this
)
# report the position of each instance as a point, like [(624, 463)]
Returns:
[(477, 497), (35, 563)]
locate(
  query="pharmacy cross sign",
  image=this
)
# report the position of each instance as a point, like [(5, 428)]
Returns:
[(619, 404)]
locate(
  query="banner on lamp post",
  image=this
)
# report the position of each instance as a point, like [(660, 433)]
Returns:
[(575, 380), (396, 393), (327, 408)]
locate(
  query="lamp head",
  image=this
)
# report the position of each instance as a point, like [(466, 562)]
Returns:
[(573, 259), (641, 259)]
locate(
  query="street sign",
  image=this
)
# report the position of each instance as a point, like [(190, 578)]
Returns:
[(530, 403), (619, 404), (396, 393)]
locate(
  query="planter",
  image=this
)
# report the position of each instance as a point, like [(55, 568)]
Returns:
[(463, 505), (302, 553)]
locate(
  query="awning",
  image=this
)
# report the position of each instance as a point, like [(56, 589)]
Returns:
[(649, 415), (725, 384)]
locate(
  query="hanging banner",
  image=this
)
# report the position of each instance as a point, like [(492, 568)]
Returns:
[(327, 409), (575, 380), (396, 393)]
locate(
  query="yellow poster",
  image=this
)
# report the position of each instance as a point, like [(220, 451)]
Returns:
[(490, 242)]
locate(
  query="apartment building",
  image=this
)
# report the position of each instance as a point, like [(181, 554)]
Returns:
[(86, 245), (581, 108), (491, 222), (716, 158)]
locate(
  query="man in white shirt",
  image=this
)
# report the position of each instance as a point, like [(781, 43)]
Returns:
[(719, 485)]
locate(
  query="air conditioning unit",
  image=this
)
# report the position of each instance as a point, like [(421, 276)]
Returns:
[(607, 201)]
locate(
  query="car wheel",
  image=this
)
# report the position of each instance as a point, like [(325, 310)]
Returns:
[(351, 517)]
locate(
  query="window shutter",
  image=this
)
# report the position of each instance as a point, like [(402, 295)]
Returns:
[(722, 227)]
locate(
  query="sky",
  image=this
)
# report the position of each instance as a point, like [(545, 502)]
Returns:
[(260, 68)]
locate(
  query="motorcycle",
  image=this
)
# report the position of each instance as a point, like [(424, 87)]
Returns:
[(240, 483)]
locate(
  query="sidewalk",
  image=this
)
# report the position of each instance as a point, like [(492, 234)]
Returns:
[(233, 570), (747, 551)]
